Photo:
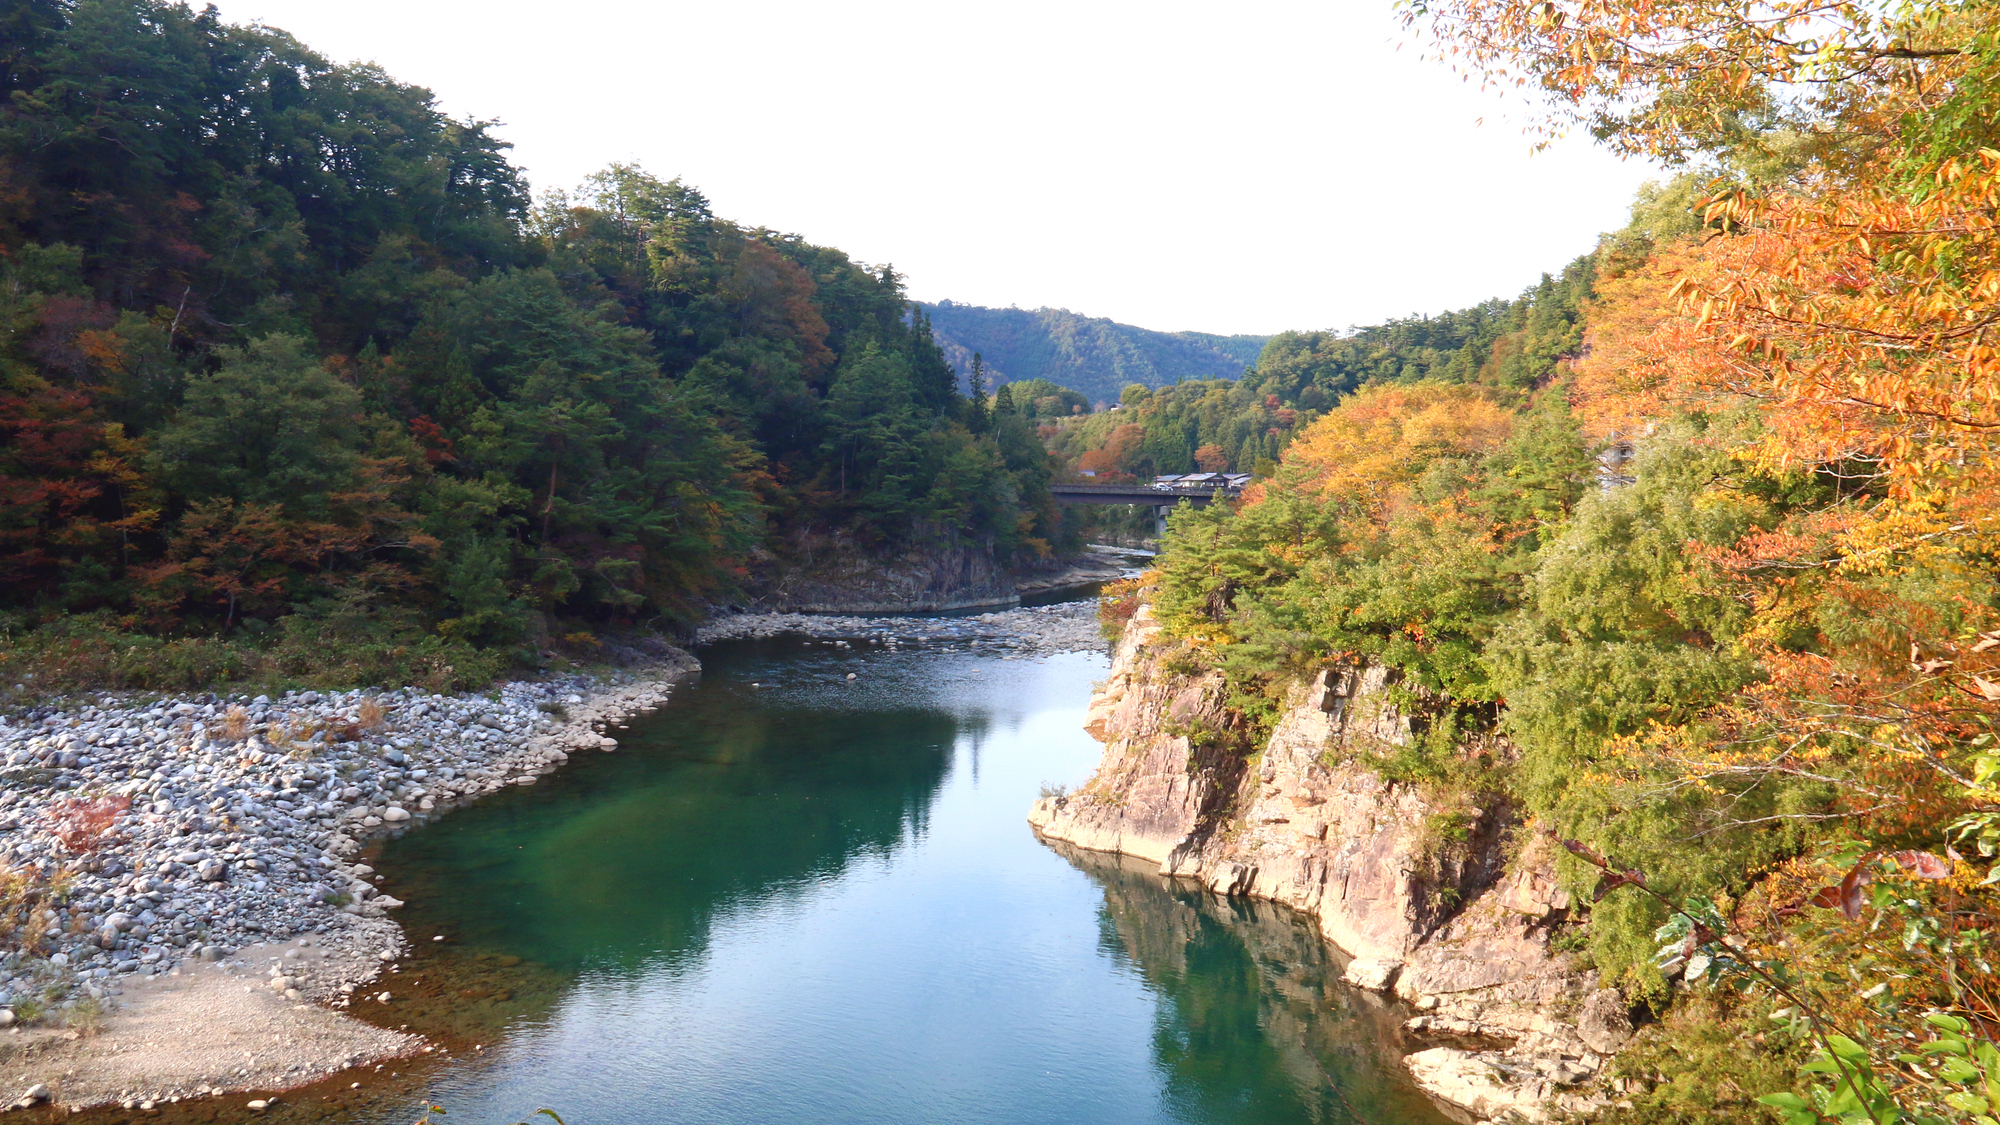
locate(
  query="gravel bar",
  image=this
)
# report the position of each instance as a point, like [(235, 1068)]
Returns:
[(237, 854)]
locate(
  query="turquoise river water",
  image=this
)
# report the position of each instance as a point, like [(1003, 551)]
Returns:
[(818, 900)]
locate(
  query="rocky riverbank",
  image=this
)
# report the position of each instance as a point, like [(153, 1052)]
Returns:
[(834, 574), (197, 854), (1014, 633), (1499, 1026), (1098, 563)]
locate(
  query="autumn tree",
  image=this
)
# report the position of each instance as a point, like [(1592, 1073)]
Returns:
[(1833, 300)]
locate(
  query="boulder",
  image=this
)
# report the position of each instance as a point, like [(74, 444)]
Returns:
[(1605, 1023), (1233, 879), (1376, 974), (1471, 1086)]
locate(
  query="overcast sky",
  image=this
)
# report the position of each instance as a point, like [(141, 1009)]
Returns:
[(1241, 167)]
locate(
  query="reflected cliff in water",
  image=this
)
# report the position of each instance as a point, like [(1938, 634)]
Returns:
[(1254, 1024)]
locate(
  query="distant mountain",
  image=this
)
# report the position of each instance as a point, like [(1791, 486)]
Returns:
[(1089, 354)]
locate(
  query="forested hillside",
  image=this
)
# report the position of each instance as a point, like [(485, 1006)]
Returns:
[(295, 369), (1090, 355), (1242, 424), (1750, 681)]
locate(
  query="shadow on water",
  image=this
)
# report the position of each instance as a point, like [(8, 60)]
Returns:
[(1254, 1024), (626, 863)]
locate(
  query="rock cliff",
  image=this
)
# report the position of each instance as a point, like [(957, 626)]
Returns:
[(833, 574), (1449, 907)]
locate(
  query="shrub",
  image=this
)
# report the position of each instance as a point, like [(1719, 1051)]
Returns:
[(24, 895), (1119, 601), (79, 823), (320, 649)]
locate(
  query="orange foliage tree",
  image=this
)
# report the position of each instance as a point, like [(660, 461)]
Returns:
[(1842, 296)]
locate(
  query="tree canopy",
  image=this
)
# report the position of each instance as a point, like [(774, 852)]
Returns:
[(1694, 563), (280, 335)]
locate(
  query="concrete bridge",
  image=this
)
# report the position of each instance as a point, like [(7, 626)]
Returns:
[(1149, 495), (1162, 498)]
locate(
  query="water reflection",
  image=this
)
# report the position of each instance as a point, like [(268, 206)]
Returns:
[(1254, 1024), (627, 863)]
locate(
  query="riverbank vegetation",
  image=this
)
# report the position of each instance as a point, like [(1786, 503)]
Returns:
[(1705, 581), (295, 371)]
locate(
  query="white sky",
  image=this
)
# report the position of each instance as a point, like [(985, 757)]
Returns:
[(1240, 167)]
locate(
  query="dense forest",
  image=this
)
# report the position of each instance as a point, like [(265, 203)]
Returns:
[(295, 369), (1090, 355), (1749, 681), (1242, 424)]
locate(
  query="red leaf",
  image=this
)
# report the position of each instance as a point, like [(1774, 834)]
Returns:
[(1847, 896), (1923, 865), (1577, 849), (1850, 901), (1850, 893)]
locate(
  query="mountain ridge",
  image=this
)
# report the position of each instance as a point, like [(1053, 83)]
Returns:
[(1096, 356)]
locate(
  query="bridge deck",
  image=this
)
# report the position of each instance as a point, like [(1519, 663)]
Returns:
[(1137, 494)]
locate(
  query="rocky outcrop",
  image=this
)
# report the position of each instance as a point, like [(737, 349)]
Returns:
[(1449, 904), (1097, 563), (833, 574)]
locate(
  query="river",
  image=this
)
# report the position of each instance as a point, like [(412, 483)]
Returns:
[(794, 897)]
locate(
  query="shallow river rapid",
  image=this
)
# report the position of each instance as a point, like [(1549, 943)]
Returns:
[(818, 900)]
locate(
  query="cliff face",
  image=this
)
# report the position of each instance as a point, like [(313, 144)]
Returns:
[(832, 574), (1450, 907)]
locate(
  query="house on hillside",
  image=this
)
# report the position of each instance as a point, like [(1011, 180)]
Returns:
[(1230, 481)]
